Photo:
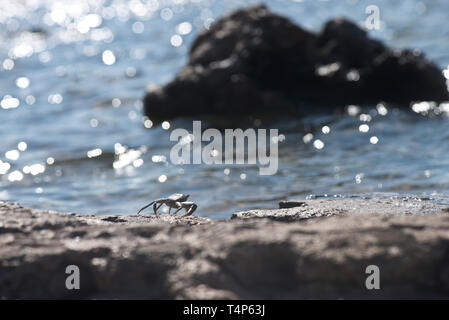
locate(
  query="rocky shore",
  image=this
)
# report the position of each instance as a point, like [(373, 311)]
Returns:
[(254, 62), (307, 249)]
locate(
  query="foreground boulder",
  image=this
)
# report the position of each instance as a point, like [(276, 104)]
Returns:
[(255, 62), (168, 257)]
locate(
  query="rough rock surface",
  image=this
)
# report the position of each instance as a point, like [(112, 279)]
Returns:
[(166, 257), (306, 209), (255, 62)]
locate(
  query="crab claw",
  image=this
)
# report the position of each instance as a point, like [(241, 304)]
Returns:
[(192, 208)]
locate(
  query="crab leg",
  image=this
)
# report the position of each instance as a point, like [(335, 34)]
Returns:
[(146, 207), (179, 207), (156, 207)]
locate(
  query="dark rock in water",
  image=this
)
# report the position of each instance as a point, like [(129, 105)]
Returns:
[(255, 62), (291, 204)]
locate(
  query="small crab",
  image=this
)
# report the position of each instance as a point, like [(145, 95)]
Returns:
[(176, 200)]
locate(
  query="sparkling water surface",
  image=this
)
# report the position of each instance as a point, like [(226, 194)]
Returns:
[(73, 136)]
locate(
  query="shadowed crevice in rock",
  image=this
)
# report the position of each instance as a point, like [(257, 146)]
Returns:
[(255, 62)]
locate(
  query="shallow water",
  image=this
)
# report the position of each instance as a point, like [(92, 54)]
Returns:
[(72, 75)]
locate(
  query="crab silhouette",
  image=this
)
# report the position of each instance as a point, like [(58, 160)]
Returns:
[(176, 201)]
